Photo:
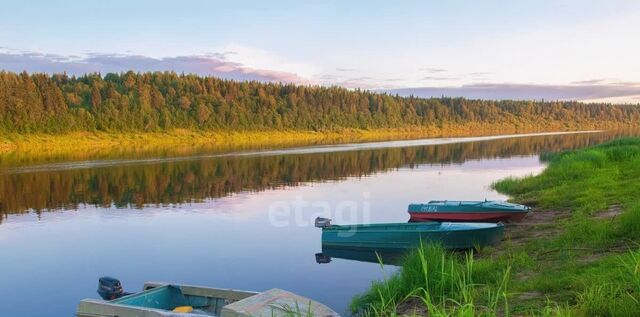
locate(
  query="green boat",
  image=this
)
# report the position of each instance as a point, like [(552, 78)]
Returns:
[(395, 237), (172, 300)]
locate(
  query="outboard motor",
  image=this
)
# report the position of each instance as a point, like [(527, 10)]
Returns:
[(321, 258), (323, 222), (110, 288)]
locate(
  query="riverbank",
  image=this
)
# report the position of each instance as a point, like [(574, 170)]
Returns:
[(27, 149), (98, 145), (78, 141), (575, 255)]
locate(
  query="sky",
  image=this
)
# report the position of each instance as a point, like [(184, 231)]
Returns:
[(556, 50)]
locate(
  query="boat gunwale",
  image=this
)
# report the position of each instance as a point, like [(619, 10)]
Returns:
[(413, 227), (509, 211), (488, 206)]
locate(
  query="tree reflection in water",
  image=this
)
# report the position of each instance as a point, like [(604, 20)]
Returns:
[(177, 182)]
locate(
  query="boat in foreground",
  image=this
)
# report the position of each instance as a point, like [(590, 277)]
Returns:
[(396, 237), (468, 211), (164, 300)]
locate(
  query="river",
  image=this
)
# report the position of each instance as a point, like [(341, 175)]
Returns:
[(241, 220)]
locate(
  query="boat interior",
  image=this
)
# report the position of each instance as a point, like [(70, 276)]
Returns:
[(158, 299), (415, 226), (172, 298), (164, 300)]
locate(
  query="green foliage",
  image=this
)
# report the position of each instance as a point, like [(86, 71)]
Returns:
[(553, 310), (619, 296), (587, 232), (630, 222), (163, 101), (445, 283)]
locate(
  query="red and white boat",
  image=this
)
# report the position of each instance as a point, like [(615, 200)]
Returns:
[(468, 211)]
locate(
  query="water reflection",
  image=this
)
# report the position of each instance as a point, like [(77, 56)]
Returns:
[(171, 182), (371, 256)]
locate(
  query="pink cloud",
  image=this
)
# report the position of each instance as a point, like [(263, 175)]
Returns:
[(203, 65), (584, 90)]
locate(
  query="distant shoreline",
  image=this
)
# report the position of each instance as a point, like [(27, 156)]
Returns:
[(43, 144), (292, 150)]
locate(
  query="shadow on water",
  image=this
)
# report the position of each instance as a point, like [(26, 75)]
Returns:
[(371, 256), (196, 179)]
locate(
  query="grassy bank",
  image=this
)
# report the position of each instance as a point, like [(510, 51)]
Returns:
[(576, 255)]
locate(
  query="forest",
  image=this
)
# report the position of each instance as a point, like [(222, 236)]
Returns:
[(163, 101)]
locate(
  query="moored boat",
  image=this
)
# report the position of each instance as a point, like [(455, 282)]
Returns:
[(396, 237), (165, 300), (468, 211)]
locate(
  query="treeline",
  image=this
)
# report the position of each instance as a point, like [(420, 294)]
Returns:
[(177, 182), (164, 101)]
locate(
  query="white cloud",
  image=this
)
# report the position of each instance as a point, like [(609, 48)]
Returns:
[(548, 55), (260, 59), (545, 54)]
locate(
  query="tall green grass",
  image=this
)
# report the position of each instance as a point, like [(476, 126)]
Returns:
[(442, 282), (620, 296), (630, 222), (295, 311)]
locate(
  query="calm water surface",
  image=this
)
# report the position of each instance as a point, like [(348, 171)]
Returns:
[(238, 220)]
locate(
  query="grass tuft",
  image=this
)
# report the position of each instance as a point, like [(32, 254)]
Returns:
[(630, 222), (444, 283)]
